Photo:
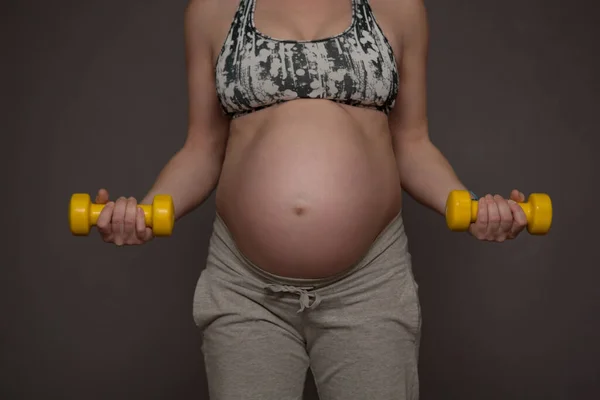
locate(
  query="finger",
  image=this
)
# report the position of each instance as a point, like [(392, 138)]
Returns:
[(493, 217), (104, 220), (129, 219), (519, 219), (148, 235), (481, 222), (118, 219), (506, 217), (140, 224), (102, 196)]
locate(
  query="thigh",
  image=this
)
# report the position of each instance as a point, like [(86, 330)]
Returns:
[(364, 342), (253, 360), (250, 350), (365, 362)]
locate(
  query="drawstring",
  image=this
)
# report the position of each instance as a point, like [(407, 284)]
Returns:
[(307, 299)]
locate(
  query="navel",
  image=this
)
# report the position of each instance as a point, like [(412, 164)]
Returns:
[(299, 210)]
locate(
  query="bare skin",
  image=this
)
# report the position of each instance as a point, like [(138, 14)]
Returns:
[(306, 197)]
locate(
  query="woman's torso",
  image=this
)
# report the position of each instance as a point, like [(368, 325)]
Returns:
[(307, 185)]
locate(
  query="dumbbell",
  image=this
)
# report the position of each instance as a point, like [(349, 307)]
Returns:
[(461, 212), (83, 214)]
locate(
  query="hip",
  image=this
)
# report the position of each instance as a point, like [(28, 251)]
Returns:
[(378, 288)]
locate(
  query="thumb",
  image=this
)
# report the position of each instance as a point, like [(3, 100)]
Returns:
[(517, 196), (102, 196), (148, 235)]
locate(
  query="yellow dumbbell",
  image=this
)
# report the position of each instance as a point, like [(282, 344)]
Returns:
[(461, 212), (83, 214)]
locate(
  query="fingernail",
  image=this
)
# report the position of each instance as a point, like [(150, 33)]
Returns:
[(511, 201)]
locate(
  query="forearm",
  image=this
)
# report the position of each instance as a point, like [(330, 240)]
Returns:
[(426, 174), (189, 178)]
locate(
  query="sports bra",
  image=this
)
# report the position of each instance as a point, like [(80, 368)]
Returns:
[(356, 67)]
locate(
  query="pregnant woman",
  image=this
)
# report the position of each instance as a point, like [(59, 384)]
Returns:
[(307, 117)]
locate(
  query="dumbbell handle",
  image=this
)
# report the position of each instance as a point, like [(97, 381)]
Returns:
[(96, 209), (526, 207)]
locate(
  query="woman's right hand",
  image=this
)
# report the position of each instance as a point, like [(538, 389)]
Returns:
[(122, 222)]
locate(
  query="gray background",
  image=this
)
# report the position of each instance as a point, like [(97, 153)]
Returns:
[(97, 97)]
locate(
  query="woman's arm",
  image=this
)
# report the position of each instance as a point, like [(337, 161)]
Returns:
[(425, 173), (192, 173)]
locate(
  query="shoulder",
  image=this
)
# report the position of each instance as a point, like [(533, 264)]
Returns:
[(401, 9), (208, 15), (201, 12), (207, 22), (406, 18), (199, 7)]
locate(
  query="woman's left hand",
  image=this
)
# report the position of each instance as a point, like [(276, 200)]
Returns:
[(499, 219)]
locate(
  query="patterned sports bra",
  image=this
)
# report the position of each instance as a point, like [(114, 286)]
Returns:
[(356, 67)]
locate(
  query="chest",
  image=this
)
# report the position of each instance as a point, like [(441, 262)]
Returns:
[(306, 20), (285, 57)]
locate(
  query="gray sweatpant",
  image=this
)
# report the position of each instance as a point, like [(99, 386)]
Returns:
[(358, 332)]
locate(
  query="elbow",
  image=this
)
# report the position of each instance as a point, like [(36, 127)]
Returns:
[(205, 156), (411, 147), (410, 137), (206, 145), (415, 154)]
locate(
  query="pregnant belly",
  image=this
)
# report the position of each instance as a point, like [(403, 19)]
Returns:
[(306, 199)]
